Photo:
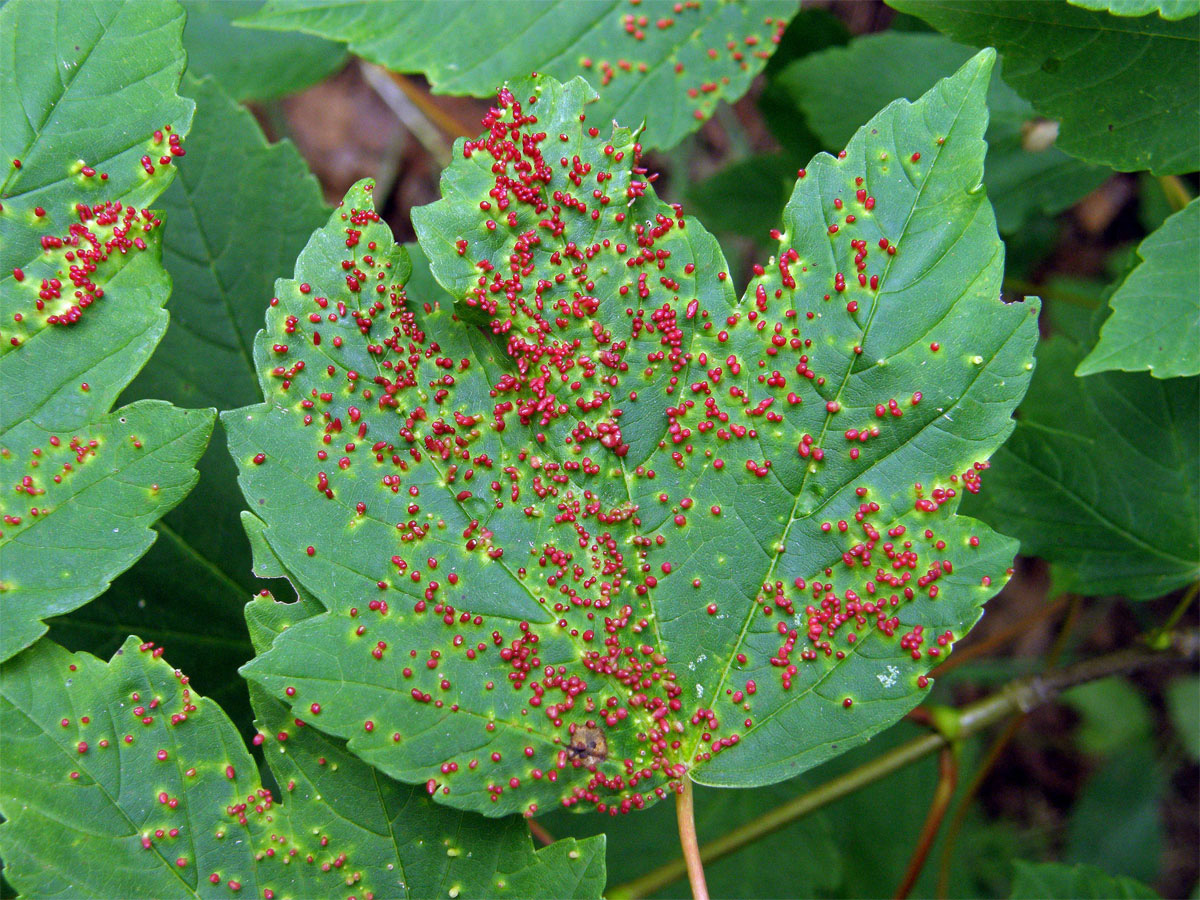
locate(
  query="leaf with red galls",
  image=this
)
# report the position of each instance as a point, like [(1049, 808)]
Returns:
[(122, 781), (69, 76), (81, 296), (581, 521), (661, 61)]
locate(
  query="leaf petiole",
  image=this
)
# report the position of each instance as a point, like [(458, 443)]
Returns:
[(1018, 696), (685, 809)]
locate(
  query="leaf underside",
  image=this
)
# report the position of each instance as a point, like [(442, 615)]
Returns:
[(661, 61), (1123, 89), (81, 299), (1155, 322), (580, 520), (121, 781)]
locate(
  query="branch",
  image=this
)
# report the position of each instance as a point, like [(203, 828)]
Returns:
[(942, 795), (539, 831), (1176, 190), (1019, 696), (999, 745), (411, 116)]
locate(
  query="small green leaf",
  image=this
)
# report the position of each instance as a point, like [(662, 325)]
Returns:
[(1168, 9), (1124, 89), (84, 84), (1055, 881), (810, 31), (250, 65), (1099, 477), (122, 781), (1024, 173), (1155, 322), (663, 62), (589, 522)]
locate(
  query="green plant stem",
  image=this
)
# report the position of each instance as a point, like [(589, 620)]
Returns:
[(1177, 192), (960, 813), (685, 809), (544, 837), (1020, 695), (412, 117), (1181, 607), (449, 124), (942, 795)]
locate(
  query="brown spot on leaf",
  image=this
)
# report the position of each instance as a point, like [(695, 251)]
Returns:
[(589, 745)]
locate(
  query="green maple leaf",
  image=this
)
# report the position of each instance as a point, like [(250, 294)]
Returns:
[(662, 61), (1121, 86), (81, 298), (1071, 493), (1021, 181), (122, 781), (580, 520), (1155, 322)]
